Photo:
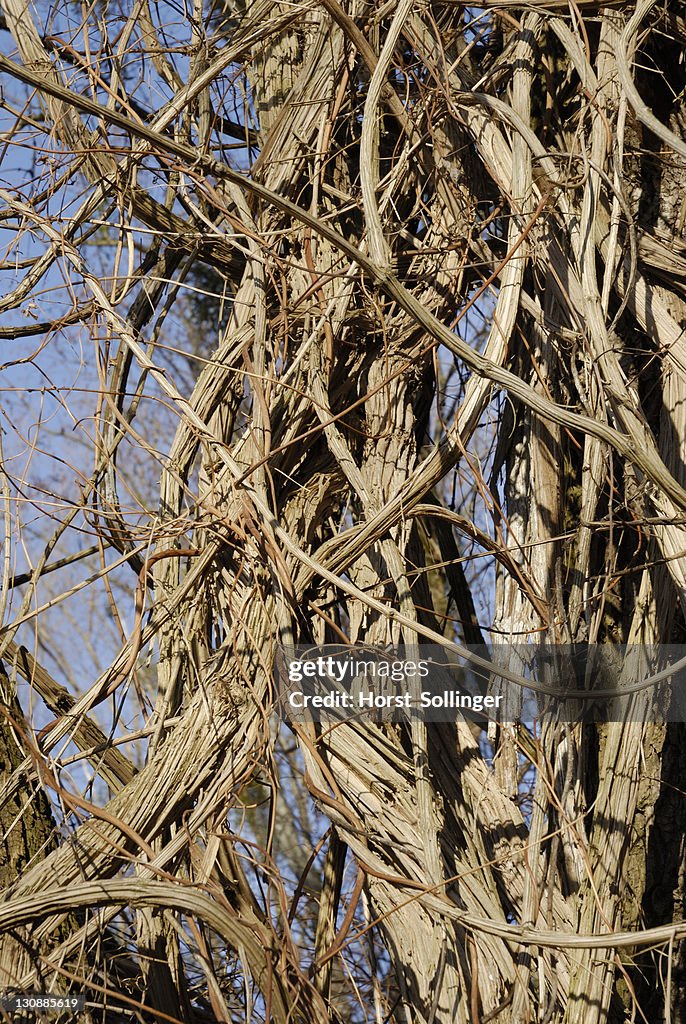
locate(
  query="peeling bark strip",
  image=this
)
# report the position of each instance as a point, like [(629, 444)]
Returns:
[(386, 314)]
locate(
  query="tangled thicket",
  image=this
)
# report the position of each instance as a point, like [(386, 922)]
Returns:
[(369, 319)]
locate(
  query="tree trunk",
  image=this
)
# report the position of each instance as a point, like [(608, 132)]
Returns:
[(441, 254)]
